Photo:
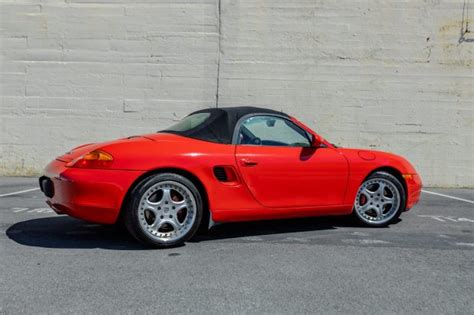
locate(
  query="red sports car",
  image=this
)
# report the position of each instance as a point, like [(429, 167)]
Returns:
[(222, 165)]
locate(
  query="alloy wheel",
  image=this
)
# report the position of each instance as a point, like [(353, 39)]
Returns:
[(377, 201), (167, 211)]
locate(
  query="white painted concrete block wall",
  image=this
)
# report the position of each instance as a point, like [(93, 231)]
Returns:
[(387, 75), (80, 71)]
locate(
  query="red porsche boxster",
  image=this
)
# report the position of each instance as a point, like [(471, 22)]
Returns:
[(222, 165)]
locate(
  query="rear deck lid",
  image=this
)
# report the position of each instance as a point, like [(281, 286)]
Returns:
[(86, 148)]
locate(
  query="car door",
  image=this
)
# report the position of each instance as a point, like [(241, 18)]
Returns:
[(281, 169)]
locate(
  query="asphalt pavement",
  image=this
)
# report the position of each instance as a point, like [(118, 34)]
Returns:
[(56, 264)]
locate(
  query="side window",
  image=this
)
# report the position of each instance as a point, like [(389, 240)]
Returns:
[(272, 131)]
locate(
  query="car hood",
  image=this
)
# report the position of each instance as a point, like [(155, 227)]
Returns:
[(378, 159)]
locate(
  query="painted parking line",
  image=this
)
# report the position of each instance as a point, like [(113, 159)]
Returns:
[(442, 218), (32, 210), (40, 210), (16, 210), (447, 196), (465, 244), (425, 191), (18, 192)]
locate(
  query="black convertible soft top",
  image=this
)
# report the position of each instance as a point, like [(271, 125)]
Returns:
[(220, 124)]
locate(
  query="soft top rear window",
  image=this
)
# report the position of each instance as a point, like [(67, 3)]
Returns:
[(190, 122)]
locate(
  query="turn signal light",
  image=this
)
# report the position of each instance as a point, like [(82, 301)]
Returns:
[(93, 159)]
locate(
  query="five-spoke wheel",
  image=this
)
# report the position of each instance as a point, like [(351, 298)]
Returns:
[(380, 200), (165, 210)]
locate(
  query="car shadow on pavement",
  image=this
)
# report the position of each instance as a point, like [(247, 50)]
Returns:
[(273, 228), (67, 232)]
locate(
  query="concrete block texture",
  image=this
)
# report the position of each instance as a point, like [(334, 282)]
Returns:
[(385, 75), (85, 71), (388, 75)]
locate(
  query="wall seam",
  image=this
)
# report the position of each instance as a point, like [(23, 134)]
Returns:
[(219, 51)]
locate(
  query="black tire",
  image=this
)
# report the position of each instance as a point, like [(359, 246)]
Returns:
[(131, 215), (394, 213)]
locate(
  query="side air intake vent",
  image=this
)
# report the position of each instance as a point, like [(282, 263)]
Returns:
[(220, 174)]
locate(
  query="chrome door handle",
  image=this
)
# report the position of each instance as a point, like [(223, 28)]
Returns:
[(247, 162)]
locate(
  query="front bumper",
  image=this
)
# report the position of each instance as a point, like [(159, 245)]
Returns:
[(93, 195), (414, 186)]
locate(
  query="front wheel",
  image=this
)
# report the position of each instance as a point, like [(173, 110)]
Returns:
[(380, 200), (164, 210)]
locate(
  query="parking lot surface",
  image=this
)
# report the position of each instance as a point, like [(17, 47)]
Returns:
[(57, 264)]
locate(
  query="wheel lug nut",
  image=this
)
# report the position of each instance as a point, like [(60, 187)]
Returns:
[(171, 216), (161, 217)]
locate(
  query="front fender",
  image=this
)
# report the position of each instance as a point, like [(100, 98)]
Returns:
[(364, 162)]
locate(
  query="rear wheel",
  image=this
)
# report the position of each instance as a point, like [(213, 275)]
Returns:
[(380, 200), (164, 210)]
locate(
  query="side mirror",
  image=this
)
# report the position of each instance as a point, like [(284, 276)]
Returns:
[(316, 141)]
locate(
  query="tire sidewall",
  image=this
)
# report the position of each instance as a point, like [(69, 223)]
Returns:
[(132, 220), (401, 191)]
